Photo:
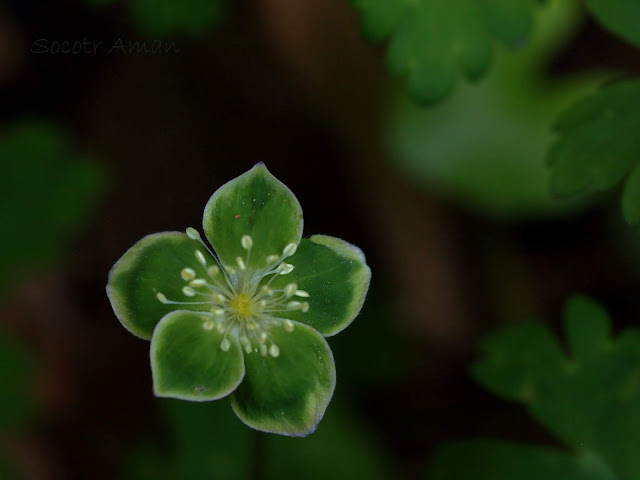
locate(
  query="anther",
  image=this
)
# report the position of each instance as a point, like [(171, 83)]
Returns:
[(263, 350), (247, 242), (263, 304), (200, 258), (220, 327), (305, 307), (213, 270), (267, 291), (285, 268), (219, 298), (230, 270), (188, 291), (301, 293), (193, 234), (208, 325), (263, 337), (162, 298), (240, 263), (274, 351), (271, 259), (288, 325), (225, 345), (218, 311), (198, 282), (289, 249), (293, 305), (290, 290), (188, 274)]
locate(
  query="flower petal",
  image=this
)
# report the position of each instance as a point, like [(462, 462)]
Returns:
[(192, 360), (336, 276), (256, 204), (287, 394), (152, 266)]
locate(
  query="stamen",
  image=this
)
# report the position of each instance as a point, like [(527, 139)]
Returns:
[(302, 293), (247, 242), (188, 274), (219, 298), (274, 351), (208, 324), (198, 282), (213, 270), (288, 325), (230, 270), (162, 298), (200, 258), (290, 290), (193, 234), (289, 250), (241, 264), (263, 350), (263, 337), (189, 292), (218, 311), (225, 345), (284, 268), (271, 259), (293, 305), (220, 327), (305, 307), (267, 291)]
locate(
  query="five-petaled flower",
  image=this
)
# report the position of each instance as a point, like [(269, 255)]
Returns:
[(248, 317)]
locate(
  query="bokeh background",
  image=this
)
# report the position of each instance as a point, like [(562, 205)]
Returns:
[(449, 202)]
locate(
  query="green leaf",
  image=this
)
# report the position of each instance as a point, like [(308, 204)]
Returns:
[(622, 17), (47, 193), (599, 144), (484, 147), (290, 393), (495, 460), (256, 204), (173, 17), (152, 266), (192, 360), (431, 40), (335, 275), (590, 399)]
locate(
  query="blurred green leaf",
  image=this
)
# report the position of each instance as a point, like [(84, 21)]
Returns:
[(484, 147), (495, 460), (431, 40), (17, 395), (175, 17), (622, 17), (589, 399), (46, 193), (599, 144), (206, 441)]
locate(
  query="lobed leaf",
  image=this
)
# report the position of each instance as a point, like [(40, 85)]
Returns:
[(598, 145), (431, 41), (622, 17)]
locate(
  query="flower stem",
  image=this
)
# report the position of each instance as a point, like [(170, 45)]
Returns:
[(258, 451)]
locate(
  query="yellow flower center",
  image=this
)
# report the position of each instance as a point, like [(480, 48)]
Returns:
[(242, 305)]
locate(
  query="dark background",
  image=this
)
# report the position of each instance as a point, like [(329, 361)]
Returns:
[(293, 84)]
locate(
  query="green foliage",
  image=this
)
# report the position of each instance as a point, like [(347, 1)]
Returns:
[(46, 193), (483, 148), (589, 399), (598, 145), (168, 18), (431, 40), (258, 325), (207, 442), (17, 396), (622, 17)]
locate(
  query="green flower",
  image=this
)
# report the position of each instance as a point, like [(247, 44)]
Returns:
[(248, 317)]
